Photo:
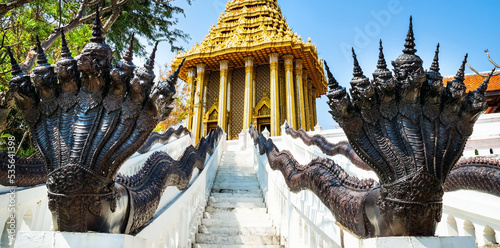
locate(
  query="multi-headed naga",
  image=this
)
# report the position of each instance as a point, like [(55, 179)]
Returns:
[(409, 129), (87, 117)]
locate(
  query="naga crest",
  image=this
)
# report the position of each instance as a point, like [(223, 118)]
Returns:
[(410, 129), (87, 117)]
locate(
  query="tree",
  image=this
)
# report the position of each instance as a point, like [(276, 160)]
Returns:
[(22, 20)]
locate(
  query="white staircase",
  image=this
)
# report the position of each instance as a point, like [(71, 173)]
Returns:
[(236, 215)]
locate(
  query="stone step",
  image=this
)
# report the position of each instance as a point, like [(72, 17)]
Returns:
[(236, 177), (236, 222), (229, 173), (237, 239), (234, 199), (235, 173), (235, 211), (236, 216), (237, 156), (236, 182), (234, 246), (244, 184), (237, 230), (253, 189), (240, 195), (235, 169), (238, 161), (234, 160), (237, 204), (236, 191)]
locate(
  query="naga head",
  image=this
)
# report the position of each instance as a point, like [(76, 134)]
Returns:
[(162, 94), (123, 71), (362, 91), (67, 69), (20, 85), (94, 62), (43, 75)]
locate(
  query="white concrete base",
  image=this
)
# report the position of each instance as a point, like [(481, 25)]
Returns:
[(76, 240), (419, 242)]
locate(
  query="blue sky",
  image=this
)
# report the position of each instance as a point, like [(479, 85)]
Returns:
[(336, 26)]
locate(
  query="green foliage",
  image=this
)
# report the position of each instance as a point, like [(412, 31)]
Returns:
[(152, 21), (26, 152), (21, 25), (3, 138), (18, 129), (149, 20)]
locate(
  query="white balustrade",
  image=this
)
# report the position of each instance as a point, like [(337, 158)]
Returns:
[(304, 221), (30, 208), (485, 139), (175, 207), (175, 223), (175, 147), (301, 218)]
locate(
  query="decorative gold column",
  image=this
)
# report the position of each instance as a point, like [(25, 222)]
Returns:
[(198, 100), (309, 100), (315, 117), (247, 114), (229, 120), (291, 111), (274, 90), (307, 112), (301, 109), (191, 90), (222, 121)]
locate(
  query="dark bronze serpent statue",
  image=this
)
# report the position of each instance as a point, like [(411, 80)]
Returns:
[(409, 129), (475, 173), (87, 117)]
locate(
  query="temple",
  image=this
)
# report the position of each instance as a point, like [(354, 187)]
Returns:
[(251, 69)]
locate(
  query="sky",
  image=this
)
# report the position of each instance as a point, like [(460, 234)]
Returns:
[(335, 26)]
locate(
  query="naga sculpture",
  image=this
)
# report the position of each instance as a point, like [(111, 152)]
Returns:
[(32, 171), (87, 117), (475, 173), (342, 148), (163, 138), (408, 128)]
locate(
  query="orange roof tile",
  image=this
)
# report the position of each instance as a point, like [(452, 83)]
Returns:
[(472, 81)]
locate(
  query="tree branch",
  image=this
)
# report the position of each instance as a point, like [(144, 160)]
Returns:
[(475, 71), (488, 54), (74, 23), (482, 75), (6, 7), (115, 5), (164, 2)]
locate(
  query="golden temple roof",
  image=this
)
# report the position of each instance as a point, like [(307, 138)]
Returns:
[(252, 28)]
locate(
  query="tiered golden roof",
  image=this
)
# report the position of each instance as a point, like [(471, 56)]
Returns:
[(252, 28)]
